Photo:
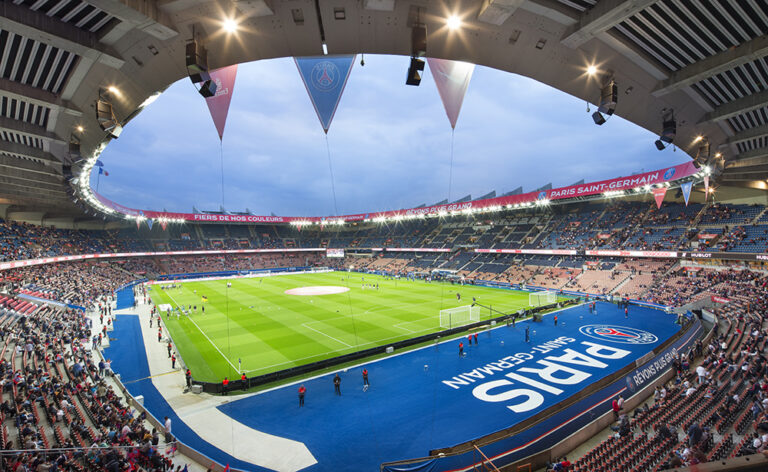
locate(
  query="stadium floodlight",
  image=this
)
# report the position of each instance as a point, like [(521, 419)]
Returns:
[(453, 22)]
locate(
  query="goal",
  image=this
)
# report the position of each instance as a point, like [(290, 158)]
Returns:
[(542, 298), (452, 317)]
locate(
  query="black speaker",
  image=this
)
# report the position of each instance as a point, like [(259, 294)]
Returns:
[(414, 72), (419, 41), (598, 118), (197, 62), (659, 145), (668, 131), (208, 89), (609, 95), (106, 118)]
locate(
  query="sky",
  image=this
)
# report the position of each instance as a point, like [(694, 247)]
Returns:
[(389, 144)]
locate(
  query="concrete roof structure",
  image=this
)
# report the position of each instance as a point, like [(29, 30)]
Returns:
[(706, 60)]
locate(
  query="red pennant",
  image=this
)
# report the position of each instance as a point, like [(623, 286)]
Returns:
[(452, 80), (163, 224), (138, 223), (218, 105), (658, 195)]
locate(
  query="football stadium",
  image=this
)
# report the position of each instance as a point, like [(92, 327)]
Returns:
[(195, 276)]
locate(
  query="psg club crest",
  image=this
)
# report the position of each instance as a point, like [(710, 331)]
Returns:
[(669, 173), (325, 76), (618, 334), (542, 195)]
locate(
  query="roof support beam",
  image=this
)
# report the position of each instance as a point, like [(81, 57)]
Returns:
[(603, 16), (713, 65), (28, 167), (747, 134), (40, 27), (37, 96), (143, 15), (754, 157), (31, 183), (9, 188), (496, 12), (737, 107), (28, 152), (27, 129)]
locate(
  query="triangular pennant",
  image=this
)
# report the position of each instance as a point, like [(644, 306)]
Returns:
[(150, 222), (218, 105), (658, 195), (452, 80), (686, 188), (706, 188), (325, 78), (138, 224), (163, 224)]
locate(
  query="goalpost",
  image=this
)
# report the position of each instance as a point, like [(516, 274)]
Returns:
[(542, 298), (452, 317)]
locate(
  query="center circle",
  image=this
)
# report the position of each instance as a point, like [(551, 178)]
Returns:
[(317, 290)]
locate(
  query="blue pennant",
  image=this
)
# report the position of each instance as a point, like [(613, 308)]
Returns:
[(325, 78), (686, 188)]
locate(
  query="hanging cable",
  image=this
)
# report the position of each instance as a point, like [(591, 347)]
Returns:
[(450, 168), (221, 154), (330, 168)]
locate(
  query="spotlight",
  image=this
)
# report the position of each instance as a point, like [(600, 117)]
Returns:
[(229, 25), (80, 129), (591, 70), (362, 60), (414, 72), (453, 22)]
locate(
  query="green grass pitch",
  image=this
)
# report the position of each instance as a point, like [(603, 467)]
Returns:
[(254, 324)]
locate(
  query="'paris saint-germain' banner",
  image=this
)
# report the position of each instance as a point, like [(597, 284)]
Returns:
[(325, 78)]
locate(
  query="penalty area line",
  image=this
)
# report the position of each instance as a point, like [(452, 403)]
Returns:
[(206, 336), (324, 334)]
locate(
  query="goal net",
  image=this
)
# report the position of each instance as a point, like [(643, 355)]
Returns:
[(452, 317), (542, 298)]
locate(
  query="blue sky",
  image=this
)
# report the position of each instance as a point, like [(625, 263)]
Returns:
[(389, 144)]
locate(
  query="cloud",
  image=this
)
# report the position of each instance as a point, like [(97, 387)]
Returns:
[(389, 144)]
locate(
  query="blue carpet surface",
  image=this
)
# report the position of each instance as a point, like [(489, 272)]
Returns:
[(129, 358), (411, 409), (124, 298)]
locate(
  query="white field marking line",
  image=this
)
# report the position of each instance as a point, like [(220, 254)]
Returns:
[(402, 353), (294, 361), (206, 336), (324, 334)]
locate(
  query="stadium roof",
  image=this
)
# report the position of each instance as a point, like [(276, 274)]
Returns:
[(705, 59)]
